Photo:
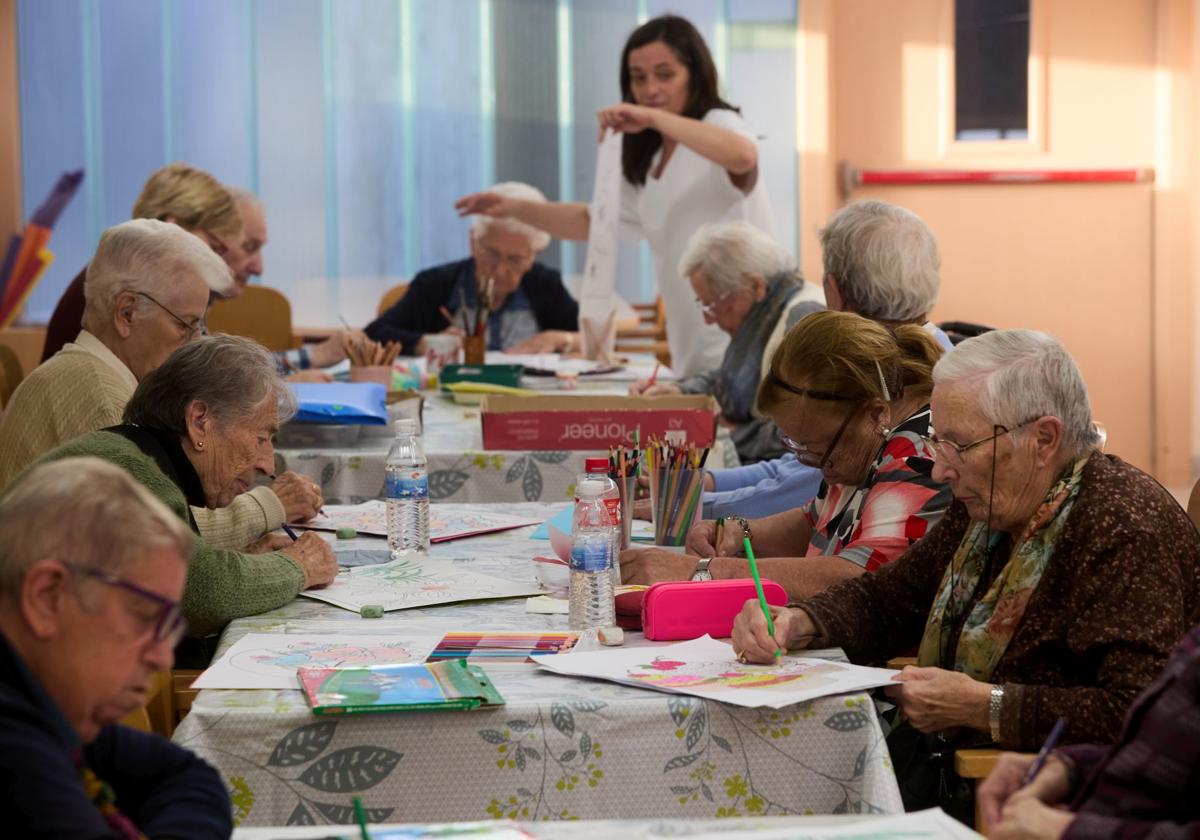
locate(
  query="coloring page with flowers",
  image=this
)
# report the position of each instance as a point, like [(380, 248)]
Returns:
[(707, 668)]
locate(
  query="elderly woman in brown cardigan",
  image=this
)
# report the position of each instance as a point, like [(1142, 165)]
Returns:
[(1055, 586)]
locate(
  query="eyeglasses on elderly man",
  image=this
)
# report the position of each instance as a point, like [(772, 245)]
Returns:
[(1055, 585), (82, 641)]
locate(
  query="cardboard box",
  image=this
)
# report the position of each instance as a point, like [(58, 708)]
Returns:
[(558, 422)]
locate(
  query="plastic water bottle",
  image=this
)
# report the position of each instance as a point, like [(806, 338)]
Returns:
[(596, 471), (407, 491), (591, 595)]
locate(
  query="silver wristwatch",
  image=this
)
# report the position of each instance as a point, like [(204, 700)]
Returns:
[(994, 711), (702, 572)]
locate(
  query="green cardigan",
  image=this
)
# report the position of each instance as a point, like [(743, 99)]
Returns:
[(221, 585)]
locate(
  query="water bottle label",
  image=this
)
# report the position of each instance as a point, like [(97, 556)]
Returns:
[(591, 558), (614, 511), (408, 485)]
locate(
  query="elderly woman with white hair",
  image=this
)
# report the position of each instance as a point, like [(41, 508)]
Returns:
[(748, 285), (1055, 587), (531, 310), (197, 433)]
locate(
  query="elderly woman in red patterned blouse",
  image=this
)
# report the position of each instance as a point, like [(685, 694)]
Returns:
[(1055, 586), (851, 398)]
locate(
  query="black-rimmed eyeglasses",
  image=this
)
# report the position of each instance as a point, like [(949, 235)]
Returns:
[(193, 329), (169, 625)]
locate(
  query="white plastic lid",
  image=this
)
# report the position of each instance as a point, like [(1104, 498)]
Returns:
[(406, 426), (589, 487)]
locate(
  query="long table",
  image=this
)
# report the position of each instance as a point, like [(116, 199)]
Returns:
[(561, 748), (460, 470)]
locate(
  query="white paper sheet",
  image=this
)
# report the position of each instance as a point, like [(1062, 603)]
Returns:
[(415, 581), (707, 668), (597, 295), (371, 518), (931, 824), (270, 660)]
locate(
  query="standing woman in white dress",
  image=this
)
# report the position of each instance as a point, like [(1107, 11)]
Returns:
[(687, 160)]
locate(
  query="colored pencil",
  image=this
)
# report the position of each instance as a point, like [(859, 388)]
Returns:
[(762, 596)]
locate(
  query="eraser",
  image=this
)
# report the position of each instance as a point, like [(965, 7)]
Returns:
[(346, 533), (371, 611), (611, 636)]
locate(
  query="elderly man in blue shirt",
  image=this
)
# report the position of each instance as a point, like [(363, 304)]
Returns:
[(91, 573)]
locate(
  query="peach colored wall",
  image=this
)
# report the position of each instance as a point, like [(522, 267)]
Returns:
[(1106, 268)]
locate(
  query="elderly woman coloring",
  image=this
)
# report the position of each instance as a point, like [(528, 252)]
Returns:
[(851, 399), (747, 285), (197, 431), (1055, 586)]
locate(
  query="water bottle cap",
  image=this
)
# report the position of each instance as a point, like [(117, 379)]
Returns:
[(406, 426), (595, 465), (589, 488)]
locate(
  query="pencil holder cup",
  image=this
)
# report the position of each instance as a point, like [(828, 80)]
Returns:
[(372, 373), (474, 349), (675, 502)]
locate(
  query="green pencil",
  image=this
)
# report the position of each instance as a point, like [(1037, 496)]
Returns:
[(360, 816), (762, 596)]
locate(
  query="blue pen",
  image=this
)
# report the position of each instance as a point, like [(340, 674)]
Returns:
[(1047, 748), (290, 532)]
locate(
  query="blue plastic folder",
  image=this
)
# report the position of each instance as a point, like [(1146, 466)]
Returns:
[(361, 403)]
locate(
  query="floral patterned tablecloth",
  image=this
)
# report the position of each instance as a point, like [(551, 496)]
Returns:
[(561, 748), (459, 468)]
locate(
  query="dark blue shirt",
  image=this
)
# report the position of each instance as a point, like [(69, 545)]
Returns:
[(540, 293), (165, 790)]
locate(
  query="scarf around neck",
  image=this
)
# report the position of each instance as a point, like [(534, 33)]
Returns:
[(993, 620), (737, 378)]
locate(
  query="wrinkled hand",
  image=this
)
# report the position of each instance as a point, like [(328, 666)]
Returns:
[(643, 510), (310, 375), (650, 565), (300, 496), (1025, 817), (702, 538), (751, 641), (315, 557), (548, 341), (274, 541), (625, 118), (1051, 784), (333, 349), (934, 699), (486, 204), (643, 388)]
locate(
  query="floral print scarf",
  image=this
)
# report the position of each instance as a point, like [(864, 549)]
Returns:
[(993, 621)]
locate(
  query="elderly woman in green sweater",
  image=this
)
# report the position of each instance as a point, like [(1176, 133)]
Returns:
[(197, 432)]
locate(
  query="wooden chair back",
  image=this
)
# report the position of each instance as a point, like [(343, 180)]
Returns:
[(391, 297), (182, 693), (261, 313), (10, 373), (650, 335)]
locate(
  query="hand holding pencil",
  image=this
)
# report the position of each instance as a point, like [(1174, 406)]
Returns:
[(754, 642)]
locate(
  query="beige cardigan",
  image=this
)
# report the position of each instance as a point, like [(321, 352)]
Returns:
[(83, 388)]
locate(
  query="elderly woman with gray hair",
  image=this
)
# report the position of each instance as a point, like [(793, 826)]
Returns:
[(1055, 587), (197, 431), (747, 285)]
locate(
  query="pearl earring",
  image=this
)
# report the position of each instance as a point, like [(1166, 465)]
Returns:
[(199, 444)]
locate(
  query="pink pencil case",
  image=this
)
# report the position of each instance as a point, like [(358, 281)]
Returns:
[(688, 609)]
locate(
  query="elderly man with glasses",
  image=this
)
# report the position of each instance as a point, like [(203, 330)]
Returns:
[(147, 292), (92, 567), (530, 310), (1055, 586)]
